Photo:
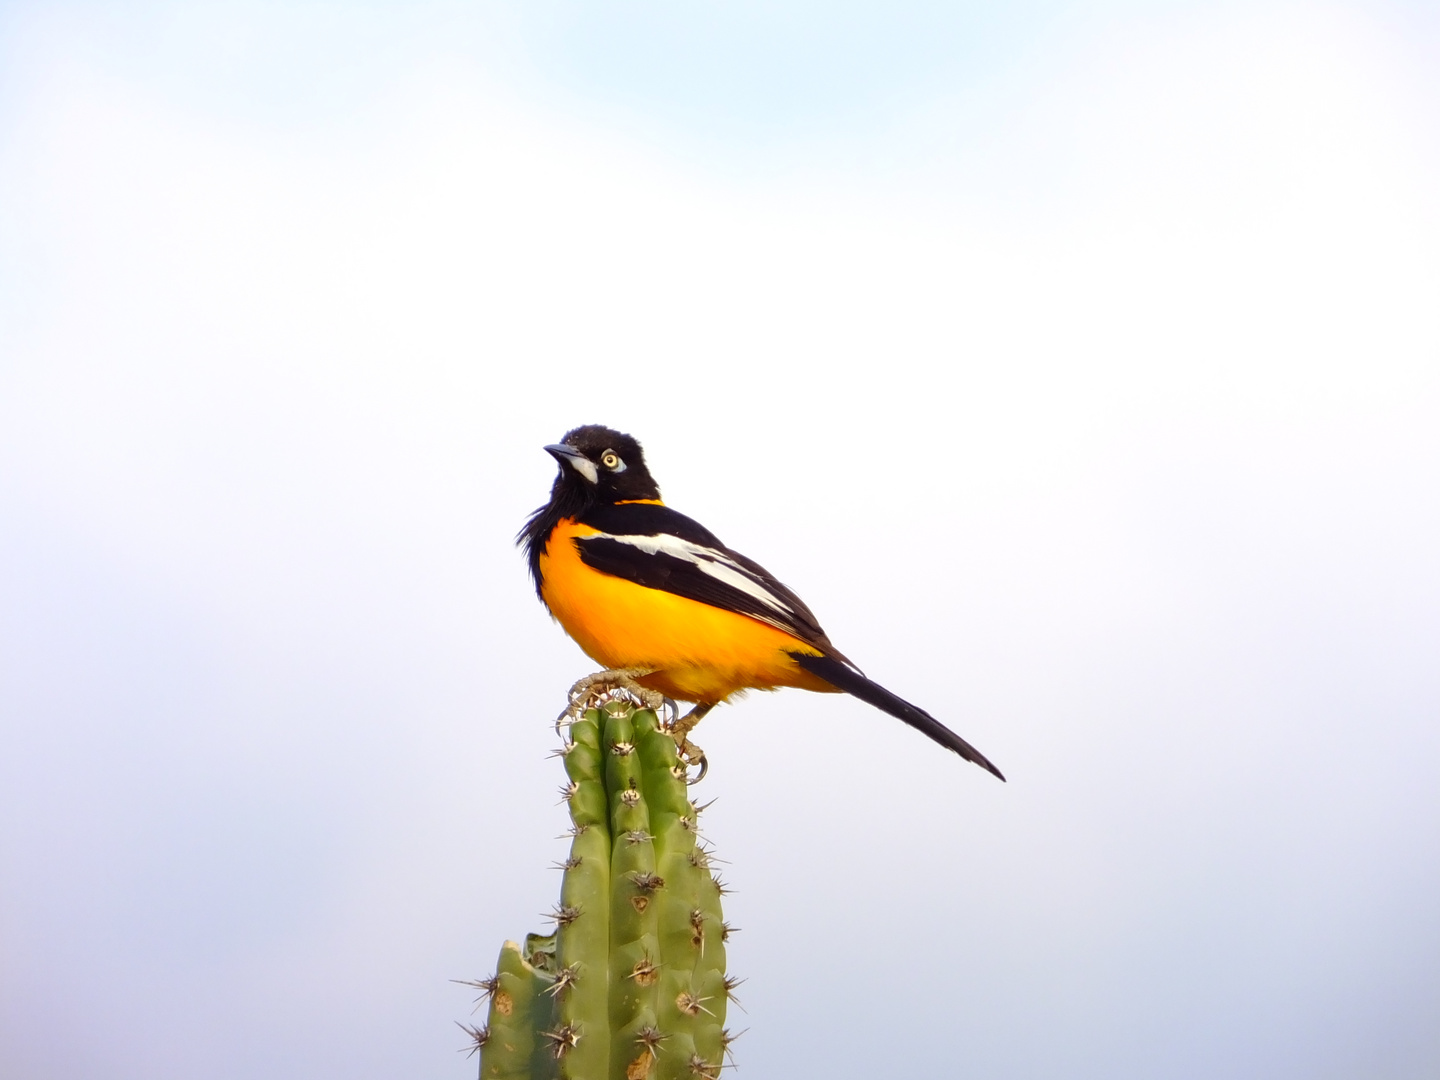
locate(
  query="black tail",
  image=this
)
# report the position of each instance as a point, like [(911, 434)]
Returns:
[(852, 682)]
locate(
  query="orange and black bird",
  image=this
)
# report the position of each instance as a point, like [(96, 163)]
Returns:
[(661, 602)]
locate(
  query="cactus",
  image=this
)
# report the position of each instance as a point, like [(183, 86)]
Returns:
[(632, 985)]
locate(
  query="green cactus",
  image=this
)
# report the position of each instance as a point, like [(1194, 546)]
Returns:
[(632, 985)]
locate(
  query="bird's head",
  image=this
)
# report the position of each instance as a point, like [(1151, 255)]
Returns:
[(600, 465)]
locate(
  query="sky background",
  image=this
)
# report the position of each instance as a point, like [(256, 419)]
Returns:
[(1078, 363)]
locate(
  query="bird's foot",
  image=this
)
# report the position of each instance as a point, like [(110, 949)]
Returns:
[(606, 686), (690, 754)]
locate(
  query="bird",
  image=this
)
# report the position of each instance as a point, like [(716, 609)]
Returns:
[(668, 609)]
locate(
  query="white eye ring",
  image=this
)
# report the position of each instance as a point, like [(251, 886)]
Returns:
[(611, 461)]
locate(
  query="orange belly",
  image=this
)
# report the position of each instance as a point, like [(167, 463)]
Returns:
[(696, 652)]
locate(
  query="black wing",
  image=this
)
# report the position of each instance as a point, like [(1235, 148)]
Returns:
[(654, 546)]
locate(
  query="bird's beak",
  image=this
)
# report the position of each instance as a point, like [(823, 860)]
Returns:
[(578, 461)]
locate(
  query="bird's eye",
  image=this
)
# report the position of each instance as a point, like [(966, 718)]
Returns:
[(611, 461)]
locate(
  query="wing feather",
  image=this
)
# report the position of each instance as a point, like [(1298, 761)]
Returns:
[(654, 546)]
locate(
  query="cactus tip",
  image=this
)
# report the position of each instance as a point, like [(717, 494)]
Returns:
[(707, 851), (645, 972), (486, 986), (564, 979), (562, 915), (479, 1036), (701, 1068), (730, 983), (691, 1005), (565, 1037), (726, 1038), (646, 881)]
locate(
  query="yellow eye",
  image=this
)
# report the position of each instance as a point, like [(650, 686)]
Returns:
[(610, 460)]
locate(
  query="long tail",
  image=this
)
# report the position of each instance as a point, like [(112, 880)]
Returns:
[(852, 682)]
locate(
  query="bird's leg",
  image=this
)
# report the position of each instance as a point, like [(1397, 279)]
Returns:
[(691, 754), (591, 689)]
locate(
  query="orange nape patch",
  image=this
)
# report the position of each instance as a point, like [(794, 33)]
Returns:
[(697, 652)]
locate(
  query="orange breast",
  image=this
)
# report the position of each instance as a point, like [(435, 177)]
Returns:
[(697, 652)]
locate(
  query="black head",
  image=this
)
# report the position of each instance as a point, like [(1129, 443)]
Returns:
[(600, 465)]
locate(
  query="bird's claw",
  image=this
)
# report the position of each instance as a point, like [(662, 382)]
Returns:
[(605, 686), (694, 758), (690, 754)]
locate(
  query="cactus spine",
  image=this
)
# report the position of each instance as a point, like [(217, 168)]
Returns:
[(632, 984)]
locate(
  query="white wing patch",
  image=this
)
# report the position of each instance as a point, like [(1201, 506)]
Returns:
[(715, 563)]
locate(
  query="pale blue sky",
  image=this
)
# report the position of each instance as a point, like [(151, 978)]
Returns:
[(1132, 306), (746, 70)]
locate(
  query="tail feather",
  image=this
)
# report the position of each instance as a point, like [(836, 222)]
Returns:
[(852, 682)]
